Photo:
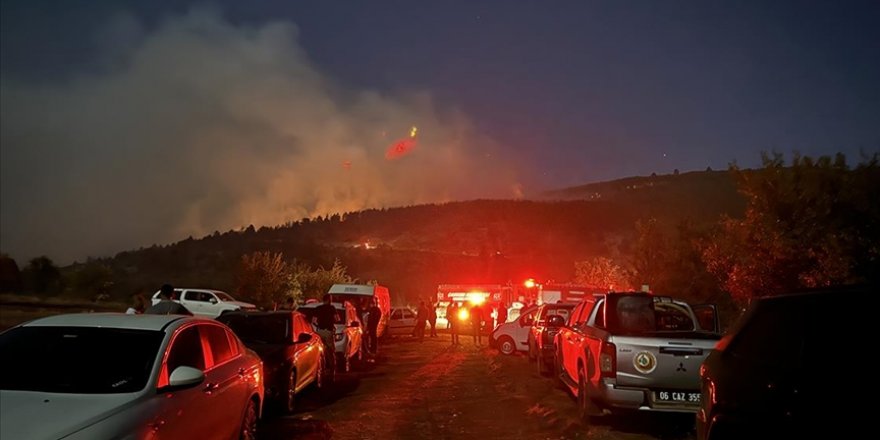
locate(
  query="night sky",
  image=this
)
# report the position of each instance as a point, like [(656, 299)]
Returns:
[(556, 93)]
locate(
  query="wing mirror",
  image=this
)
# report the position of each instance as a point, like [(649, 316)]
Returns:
[(185, 377), (355, 324), (213, 300)]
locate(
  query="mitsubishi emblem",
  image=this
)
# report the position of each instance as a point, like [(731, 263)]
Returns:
[(681, 367)]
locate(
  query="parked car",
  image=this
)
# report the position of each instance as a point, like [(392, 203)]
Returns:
[(793, 367), (362, 295), (635, 351), (402, 321), (513, 336), (100, 376), (207, 303), (348, 333), (542, 333), (292, 353)]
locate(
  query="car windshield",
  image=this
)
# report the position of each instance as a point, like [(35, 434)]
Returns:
[(77, 360), (223, 296), (268, 329)]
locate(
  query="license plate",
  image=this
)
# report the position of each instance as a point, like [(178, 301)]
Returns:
[(677, 397)]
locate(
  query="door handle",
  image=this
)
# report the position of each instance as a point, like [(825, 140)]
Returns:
[(241, 372), (210, 388)]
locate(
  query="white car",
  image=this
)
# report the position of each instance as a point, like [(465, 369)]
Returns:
[(348, 333), (101, 376), (513, 336), (208, 303), (402, 321)]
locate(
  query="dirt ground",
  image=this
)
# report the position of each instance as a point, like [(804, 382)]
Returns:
[(435, 390)]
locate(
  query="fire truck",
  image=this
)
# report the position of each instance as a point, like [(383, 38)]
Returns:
[(490, 297)]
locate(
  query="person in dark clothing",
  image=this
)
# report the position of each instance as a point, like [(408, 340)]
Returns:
[(452, 321), (167, 306), (477, 323), (432, 319), (421, 321), (325, 326), (502, 314), (373, 318)]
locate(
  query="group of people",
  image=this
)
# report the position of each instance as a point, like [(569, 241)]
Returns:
[(165, 306), (425, 315)]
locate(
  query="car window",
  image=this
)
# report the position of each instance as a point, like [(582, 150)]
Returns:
[(408, 315), (81, 360), (219, 343), (265, 329), (397, 314), (186, 350), (574, 314), (191, 295)]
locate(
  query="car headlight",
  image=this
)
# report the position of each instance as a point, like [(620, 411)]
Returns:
[(338, 337)]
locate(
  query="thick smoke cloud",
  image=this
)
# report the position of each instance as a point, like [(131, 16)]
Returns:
[(205, 126)]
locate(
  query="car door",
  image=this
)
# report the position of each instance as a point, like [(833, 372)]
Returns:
[(306, 354), (186, 412), (225, 390), (192, 300), (521, 333)]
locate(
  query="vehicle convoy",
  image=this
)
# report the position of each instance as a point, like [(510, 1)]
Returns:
[(113, 376), (358, 294), (208, 303), (292, 353), (635, 351)]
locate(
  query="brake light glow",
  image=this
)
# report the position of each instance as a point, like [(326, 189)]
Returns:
[(608, 360)]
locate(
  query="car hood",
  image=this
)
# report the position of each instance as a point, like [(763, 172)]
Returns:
[(37, 415)]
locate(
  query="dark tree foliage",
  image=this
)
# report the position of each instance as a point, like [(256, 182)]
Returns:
[(813, 223)]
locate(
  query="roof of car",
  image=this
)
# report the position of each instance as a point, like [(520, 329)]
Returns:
[(316, 304), (111, 320), (259, 313)]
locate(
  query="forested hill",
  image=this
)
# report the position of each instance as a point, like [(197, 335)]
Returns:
[(414, 248)]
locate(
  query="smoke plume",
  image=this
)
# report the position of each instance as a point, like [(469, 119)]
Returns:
[(201, 125)]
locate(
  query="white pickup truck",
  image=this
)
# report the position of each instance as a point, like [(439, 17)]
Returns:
[(635, 351), (207, 303)]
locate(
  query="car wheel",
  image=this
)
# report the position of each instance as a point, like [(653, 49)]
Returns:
[(249, 423), (583, 399), (506, 345), (290, 403)]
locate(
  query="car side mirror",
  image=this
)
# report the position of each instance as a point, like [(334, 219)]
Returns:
[(185, 377), (556, 321), (303, 338), (354, 324), (213, 300)]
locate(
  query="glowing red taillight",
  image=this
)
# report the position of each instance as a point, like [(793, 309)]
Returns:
[(608, 360)]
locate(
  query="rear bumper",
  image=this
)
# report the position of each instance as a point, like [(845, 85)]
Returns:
[(610, 396)]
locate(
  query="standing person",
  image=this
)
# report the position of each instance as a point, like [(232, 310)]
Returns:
[(325, 326), (138, 304), (166, 305), (432, 319), (477, 323), (375, 315), (452, 321), (502, 314), (421, 321)]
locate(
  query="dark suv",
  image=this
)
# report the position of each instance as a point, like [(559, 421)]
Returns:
[(795, 366), (542, 333)]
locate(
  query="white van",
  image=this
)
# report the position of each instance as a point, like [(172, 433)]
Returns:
[(356, 293), (513, 336)]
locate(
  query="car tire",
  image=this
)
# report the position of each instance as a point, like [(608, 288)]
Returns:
[(583, 400), (290, 395), (249, 422), (506, 345)]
